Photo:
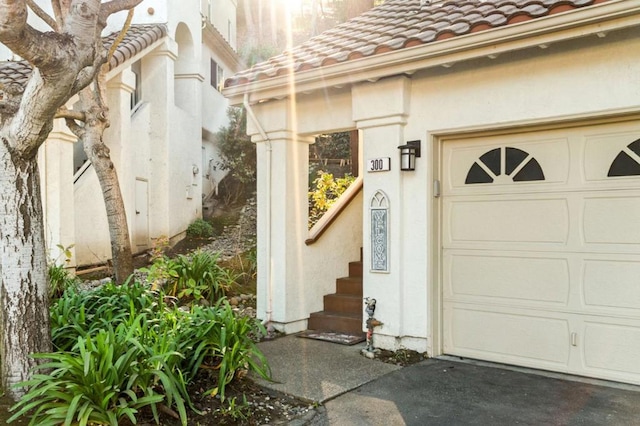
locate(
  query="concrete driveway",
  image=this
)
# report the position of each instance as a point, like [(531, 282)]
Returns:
[(443, 392)]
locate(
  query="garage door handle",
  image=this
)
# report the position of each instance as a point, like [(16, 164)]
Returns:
[(137, 212), (574, 339)]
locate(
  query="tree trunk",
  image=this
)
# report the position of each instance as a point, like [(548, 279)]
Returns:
[(24, 299), (98, 154)]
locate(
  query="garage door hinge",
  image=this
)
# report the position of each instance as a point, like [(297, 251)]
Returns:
[(574, 339), (436, 188)]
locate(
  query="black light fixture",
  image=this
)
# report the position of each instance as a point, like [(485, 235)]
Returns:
[(408, 154)]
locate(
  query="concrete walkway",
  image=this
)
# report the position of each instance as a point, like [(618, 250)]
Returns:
[(318, 371), (359, 391)]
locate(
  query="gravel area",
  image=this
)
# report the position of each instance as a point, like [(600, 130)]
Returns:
[(237, 238)]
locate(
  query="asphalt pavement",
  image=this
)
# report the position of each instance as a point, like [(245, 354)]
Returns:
[(354, 390)]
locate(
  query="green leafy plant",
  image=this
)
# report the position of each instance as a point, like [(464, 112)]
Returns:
[(161, 272), (83, 313), (59, 280), (220, 341), (97, 384), (200, 275), (59, 277), (200, 228), (234, 410)]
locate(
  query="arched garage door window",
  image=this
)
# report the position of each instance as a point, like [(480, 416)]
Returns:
[(627, 163), (519, 165)]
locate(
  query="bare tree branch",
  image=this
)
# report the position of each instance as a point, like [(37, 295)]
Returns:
[(64, 112), (87, 74), (115, 6), (75, 128), (123, 32), (43, 15), (57, 12)]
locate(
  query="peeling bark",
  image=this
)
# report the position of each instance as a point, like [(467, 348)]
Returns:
[(24, 300)]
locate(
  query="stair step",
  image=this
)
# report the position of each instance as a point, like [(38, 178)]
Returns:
[(336, 322), (355, 269), (345, 303), (349, 285)]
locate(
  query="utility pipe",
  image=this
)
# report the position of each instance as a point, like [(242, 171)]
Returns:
[(265, 138)]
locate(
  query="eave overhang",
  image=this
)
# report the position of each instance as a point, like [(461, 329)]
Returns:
[(213, 38)]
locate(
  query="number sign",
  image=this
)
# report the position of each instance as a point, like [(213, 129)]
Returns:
[(382, 164)]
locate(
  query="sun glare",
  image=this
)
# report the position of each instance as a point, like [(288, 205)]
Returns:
[(293, 6)]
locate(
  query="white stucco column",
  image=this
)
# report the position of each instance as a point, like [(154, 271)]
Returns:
[(55, 159), (185, 151), (381, 110), (157, 90), (282, 217)]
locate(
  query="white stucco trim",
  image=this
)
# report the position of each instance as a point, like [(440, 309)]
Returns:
[(544, 123), (598, 19), (186, 76)]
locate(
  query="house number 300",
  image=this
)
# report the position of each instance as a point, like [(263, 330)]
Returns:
[(378, 164)]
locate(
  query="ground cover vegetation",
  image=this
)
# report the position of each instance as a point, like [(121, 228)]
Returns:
[(132, 352)]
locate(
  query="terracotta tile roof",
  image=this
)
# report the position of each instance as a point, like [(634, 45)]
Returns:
[(401, 24), (138, 38)]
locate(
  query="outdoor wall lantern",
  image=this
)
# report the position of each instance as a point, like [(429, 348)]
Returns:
[(408, 154)]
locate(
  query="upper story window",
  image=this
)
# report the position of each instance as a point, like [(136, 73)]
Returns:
[(136, 95), (217, 75)]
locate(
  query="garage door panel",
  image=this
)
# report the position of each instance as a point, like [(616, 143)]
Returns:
[(502, 220), (612, 220), (610, 347), (544, 273), (509, 337), (612, 284), (529, 279)]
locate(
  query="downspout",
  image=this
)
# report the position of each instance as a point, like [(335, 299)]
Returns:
[(265, 138)]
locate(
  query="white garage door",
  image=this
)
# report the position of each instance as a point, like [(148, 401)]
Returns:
[(541, 250)]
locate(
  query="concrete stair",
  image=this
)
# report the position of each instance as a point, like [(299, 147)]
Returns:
[(342, 310)]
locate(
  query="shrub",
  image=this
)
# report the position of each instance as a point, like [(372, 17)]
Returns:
[(238, 155), (200, 228), (326, 193)]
